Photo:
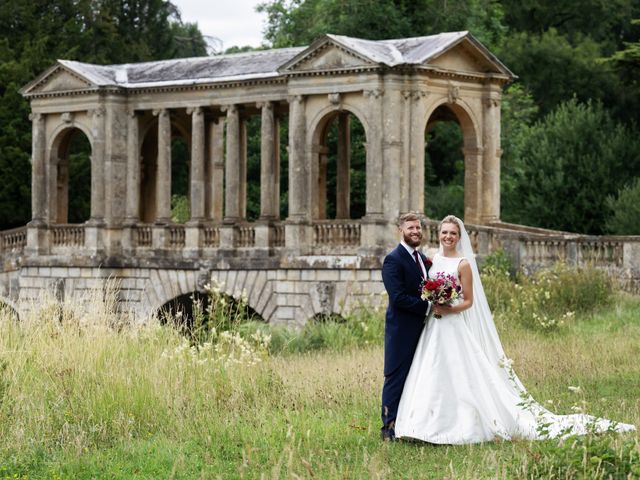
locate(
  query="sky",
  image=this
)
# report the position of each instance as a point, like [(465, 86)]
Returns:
[(235, 22)]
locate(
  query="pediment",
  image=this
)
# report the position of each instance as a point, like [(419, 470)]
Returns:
[(327, 57), (62, 80), (464, 57), (56, 79)]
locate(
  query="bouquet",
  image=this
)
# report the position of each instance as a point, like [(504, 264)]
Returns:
[(443, 290)]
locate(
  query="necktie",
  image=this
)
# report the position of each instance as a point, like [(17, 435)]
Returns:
[(415, 256)]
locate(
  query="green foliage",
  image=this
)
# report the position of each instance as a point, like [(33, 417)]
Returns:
[(590, 457), (549, 298), (444, 200), (555, 70), (498, 263), (298, 22), (34, 34), (180, 209), (625, 219), (571, 161)]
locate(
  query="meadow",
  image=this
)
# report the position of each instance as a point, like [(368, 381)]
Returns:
[(85, 395)]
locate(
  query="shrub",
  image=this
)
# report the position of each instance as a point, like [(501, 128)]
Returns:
[(546, 299), (584, 457), (625, 219)]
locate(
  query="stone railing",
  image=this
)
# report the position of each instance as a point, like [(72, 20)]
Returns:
[(67, 235), (13, 240), (245, 236), (210, 236), (278, 235), (143, 236), (336, 233), (176, 237)]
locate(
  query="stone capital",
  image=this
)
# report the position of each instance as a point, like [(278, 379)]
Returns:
[(98, 112), (373, 93), (160, 112), (195, 111), (296, 98), (266, 104)]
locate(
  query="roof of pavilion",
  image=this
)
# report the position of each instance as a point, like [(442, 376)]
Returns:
[(264, 64)]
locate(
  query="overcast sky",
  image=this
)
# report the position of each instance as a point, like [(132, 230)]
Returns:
[(235, 22)]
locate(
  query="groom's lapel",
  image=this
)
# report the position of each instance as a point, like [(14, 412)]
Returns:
[(408, 258)]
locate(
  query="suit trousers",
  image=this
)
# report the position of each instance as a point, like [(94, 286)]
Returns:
[(392, 391)]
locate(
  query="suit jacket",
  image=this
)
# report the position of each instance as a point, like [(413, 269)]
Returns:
[(406, 312)]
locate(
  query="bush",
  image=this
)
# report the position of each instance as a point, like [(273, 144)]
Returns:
[(548, 298), (585, 457)]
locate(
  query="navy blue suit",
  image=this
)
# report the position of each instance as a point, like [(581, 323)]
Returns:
[(403, 324)]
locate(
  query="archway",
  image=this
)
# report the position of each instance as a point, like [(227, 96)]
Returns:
[(340, 159), (452, 178), (72, 176)]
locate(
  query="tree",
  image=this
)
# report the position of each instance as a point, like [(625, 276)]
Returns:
[(34, 34), (299, 22), (625, 208), (572, 160)]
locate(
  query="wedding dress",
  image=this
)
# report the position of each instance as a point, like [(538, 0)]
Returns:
[(461, 388)]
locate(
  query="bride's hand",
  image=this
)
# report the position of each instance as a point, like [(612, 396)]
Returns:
[(442, 309)]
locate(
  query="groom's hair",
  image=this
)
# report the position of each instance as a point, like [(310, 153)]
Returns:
[(409, 217)]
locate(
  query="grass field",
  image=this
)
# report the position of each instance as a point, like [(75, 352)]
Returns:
[(82, 399)]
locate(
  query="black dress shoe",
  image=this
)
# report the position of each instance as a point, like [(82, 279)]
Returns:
[(388, 434)]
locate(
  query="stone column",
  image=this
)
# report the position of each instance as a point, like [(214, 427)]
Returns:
[(163, 172), (232, 166), (133, 170), (36, 228), (215, 171), (269, 165), (97, 166), (242, 181), (298, 175), (376, 186), (197, 164), (38, 177), (298, 228), (343, 168), (491, 160)]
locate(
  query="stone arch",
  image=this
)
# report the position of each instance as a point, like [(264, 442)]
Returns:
[(339, 112), (460, 111), (59, 168)]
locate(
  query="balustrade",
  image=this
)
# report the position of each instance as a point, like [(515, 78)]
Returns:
[(14, 240), (336, 233), (278, 235), (246, 236), (142, 236), (67, 235), (176, 236), (598, 252), (211, 237)]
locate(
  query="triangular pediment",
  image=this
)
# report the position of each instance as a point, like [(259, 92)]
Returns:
[(57, 79), (465, 57), (327, 56)]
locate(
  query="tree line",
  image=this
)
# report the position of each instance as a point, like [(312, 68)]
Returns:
[(570, 139)]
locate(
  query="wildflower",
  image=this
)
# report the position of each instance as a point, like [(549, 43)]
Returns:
[(575, 389)]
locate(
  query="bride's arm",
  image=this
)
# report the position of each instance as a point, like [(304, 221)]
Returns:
[(466, 282)]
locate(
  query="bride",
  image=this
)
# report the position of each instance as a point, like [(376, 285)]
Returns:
[(461, 388)]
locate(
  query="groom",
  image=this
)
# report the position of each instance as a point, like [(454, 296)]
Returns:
[(402, 273)]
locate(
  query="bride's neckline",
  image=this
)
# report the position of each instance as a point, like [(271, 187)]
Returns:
[(445, 256)]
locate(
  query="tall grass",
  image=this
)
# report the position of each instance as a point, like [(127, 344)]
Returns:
[(85, 395)]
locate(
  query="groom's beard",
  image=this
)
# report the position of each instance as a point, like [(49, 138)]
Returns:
[(413, 241)]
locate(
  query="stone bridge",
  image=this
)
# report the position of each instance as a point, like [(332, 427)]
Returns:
[(315, 260)]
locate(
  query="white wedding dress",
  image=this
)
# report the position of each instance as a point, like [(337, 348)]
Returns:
[(461, 388)]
